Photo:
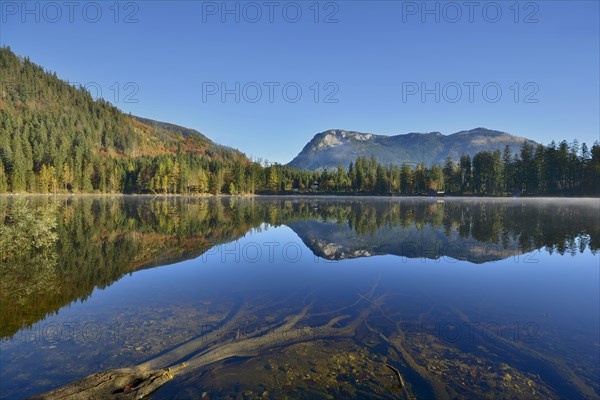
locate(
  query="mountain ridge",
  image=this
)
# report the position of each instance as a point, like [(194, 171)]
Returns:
[(331, 147)]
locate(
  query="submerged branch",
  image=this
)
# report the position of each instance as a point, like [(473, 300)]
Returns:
[(141, 380), (397, 373)]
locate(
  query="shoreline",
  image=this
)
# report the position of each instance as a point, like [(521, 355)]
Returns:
[(296, 195)]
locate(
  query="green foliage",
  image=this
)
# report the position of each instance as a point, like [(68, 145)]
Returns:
[(28, 244)]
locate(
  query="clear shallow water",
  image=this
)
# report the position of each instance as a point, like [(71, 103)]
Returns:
[(465, 298)]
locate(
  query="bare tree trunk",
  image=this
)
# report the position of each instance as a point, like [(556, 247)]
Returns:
[(139, 381)]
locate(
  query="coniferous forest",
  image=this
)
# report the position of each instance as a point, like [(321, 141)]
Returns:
[(55, 138)]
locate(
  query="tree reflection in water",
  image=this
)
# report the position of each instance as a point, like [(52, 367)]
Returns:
[(55, 250)]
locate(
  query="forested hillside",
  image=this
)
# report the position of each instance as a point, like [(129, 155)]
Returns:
[(55, 137)]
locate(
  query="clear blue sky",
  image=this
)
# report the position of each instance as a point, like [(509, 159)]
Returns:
[(371, 57)]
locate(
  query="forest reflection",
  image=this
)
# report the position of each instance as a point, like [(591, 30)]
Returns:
[(56, 250)]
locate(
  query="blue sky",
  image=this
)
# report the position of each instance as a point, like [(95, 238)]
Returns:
[(380, 67)]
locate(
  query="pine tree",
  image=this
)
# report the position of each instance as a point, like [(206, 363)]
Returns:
[(466, 174), (273, 178), (381, 181), (232, 189), (53, 180), (508, 171), (216, 181), (18, 169), (407, 179), (3, 179), (43, 180), (239, 177), (202, 181), (420, 179), (66, 177)]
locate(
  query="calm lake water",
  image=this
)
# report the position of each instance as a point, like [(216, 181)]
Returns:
[(465, 298)]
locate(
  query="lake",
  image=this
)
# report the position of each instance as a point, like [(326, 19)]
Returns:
[(304, 297)]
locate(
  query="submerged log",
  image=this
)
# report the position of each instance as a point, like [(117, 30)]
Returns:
[(124, 383), (139, 381)]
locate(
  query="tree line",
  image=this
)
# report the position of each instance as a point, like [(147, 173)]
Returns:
[(566, 169)]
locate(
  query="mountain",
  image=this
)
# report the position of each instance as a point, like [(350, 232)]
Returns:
[(329, 148), (55, 136)]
